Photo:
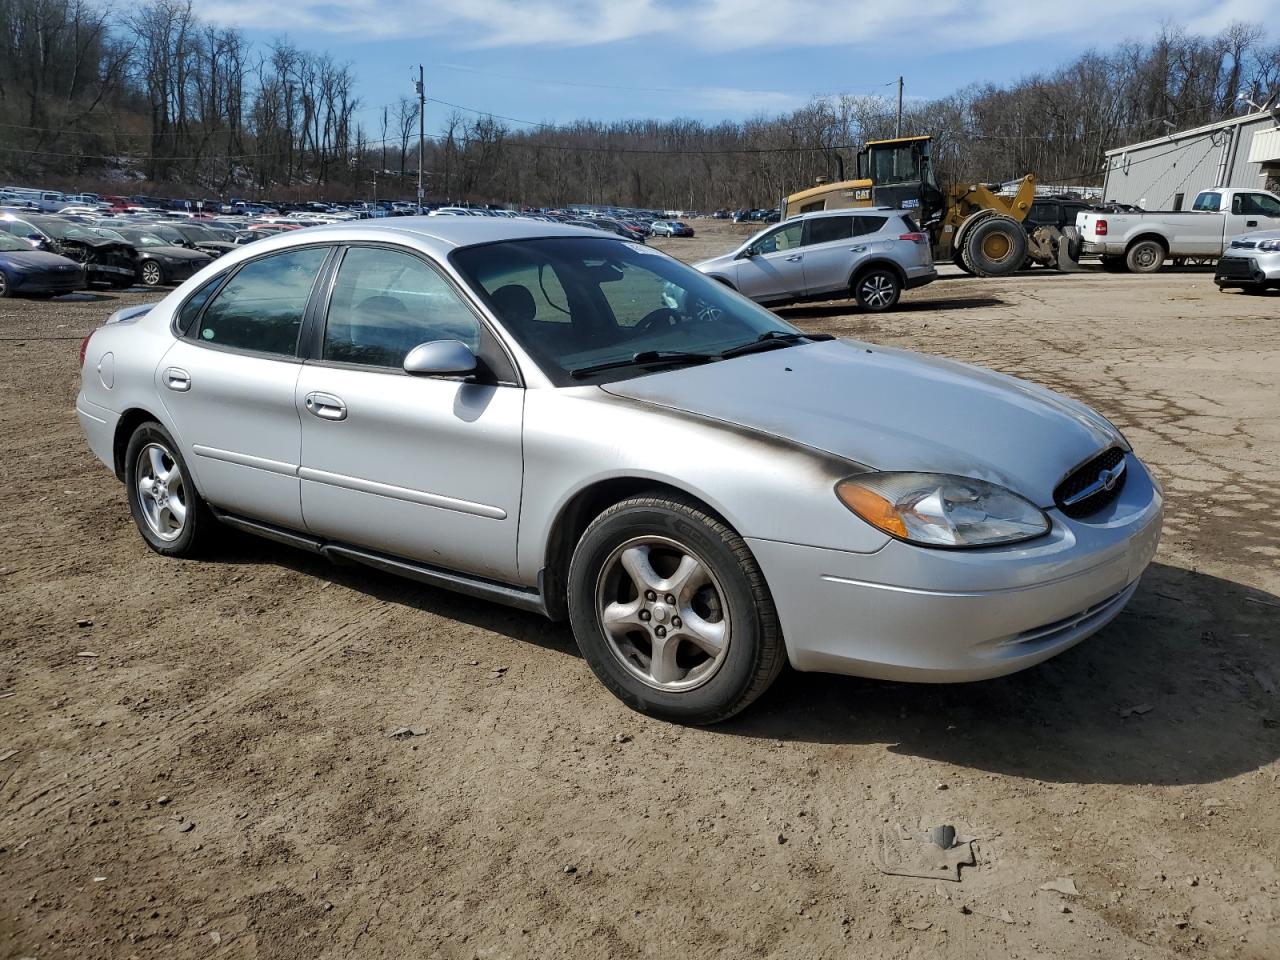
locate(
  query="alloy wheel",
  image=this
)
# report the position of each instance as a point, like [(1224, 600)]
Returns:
[(664, 613), (877, 290), (162, 492), (151, 275)]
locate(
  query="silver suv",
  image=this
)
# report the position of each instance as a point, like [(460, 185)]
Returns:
[(871, 254)]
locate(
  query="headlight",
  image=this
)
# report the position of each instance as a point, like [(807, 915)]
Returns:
[(1269, 245), (1124, 441), (939, 510)]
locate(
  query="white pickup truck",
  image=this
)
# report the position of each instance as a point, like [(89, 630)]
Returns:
[(1141, 242)]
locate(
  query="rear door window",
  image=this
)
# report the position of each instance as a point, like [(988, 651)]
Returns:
[(829, 229), (261, 307), (865, 225)]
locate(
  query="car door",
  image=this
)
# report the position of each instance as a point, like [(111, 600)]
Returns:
[(228, 384), (425, 468), (1251, 212), (828, 253), (773, 266)]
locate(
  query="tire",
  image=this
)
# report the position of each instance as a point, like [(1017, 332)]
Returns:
[(877, 289), (1145, 256), (957, 257), (996, 247), (4, 286), (1075, 243), (150, 462), (725, 606), (151, 274)]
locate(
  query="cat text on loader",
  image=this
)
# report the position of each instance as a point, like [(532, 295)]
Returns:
[(980, 231)]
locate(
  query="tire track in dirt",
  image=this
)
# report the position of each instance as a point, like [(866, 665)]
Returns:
[(81, 778)]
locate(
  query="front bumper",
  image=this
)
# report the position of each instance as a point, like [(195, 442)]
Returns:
[(45, 281), (945, 616), (110, 271), (1240, 268)]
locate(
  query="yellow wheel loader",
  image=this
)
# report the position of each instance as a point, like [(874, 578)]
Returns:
[(978, 230)]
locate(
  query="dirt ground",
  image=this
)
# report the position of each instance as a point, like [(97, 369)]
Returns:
[(195, 761)]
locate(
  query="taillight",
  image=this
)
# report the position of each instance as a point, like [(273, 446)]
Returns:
[(84, 348), (1100, 228), (915, 237)]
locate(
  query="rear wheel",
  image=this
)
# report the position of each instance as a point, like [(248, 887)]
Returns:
[(996, 247), (877, 290), (1145, 256), (4, 286), (671, 611), (152, 275), (171, 516)]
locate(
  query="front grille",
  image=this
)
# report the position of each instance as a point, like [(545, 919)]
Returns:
[(1084, 491), (1235, 268)]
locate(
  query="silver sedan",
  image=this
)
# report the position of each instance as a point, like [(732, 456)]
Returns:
[(580, 426)]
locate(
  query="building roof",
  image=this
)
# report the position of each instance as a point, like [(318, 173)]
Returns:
[(1193, 132)]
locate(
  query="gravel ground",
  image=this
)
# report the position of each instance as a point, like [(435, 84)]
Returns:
[(195, 759)]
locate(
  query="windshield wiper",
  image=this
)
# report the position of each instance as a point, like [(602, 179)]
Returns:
[(771, 340), (644, 358)]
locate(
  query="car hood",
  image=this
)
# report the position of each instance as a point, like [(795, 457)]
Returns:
[(721, 261), (39, 259), (98, 243), (175, 252), (892, 410), (1259, 235)]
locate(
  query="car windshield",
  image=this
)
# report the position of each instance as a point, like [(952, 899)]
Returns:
[(10, 244), (61, 230), (579, 302), (109, 234), (139, 238)]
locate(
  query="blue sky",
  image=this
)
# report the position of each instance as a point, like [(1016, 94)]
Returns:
[(560, 60)]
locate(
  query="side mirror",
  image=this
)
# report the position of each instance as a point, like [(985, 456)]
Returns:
[(440, 358), (747, 254)]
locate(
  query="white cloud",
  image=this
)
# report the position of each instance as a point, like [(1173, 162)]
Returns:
[(910, 25)]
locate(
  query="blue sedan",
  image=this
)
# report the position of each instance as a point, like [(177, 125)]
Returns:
[(35, 273)]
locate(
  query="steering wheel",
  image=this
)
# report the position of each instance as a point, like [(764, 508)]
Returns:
[(663, 316)]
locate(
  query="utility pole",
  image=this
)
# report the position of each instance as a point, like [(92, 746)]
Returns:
[(898, 129), (422, 109)]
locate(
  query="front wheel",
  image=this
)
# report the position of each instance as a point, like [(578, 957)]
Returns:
[(671, 611), (877, 290), (152, 275), (171, 516)]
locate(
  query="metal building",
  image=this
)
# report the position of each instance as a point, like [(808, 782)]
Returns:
[(1166, 174)]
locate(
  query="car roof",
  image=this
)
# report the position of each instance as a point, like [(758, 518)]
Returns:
[(845, 211), (451, 232)]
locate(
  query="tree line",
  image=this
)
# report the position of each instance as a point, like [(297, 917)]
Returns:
[(156, 100)]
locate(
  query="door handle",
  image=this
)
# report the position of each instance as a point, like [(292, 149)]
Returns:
[(1251, 223), (796, 259), (861, 249), (325, 406), (175, 378)]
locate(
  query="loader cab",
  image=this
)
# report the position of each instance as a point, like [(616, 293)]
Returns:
[(901, 175)]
